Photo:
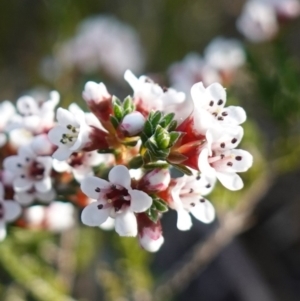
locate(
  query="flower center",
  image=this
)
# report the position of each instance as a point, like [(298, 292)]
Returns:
[(36, 170), (76, 159), (71, 135), (117, 197)]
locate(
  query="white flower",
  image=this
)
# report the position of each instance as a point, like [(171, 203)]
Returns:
[(94, 93), (224, 54), (133, 123), (70, 135), (116, 199), (81, 164), (285, 8), (213, 100), (102, 42), (36, 116), (56, 217), (41, 145), (30, 171), (7, 115), (223, 163), (187, 197), (150, 96), (9, 212), (191, 70), (19, 137), (258, 21)]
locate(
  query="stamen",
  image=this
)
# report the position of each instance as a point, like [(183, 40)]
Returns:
[(224, 114), (238, 158), (234, 140), (198, 177), (211, 103), (202, 200), (100, 206), (220, 118), (229, 164), (193, 204), (208, 186), (222, 144), (19, 165), (97, 189), (220, 102), (191, 190)]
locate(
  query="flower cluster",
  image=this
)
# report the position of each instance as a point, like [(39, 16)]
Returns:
[(117, 161), (259, 20)]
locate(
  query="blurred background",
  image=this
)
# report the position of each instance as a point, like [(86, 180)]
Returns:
[(252, 251)]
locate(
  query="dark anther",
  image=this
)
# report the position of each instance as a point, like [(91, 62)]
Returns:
[(215, 114), (113, 186), (69, 126), (222, 156), (191, 190), (202, 200), (222, 144), (220, 118), (208, 186), (234, 140), (22, 176), (211, 103), (198, 178), (165, 89), (220, 102), (97, 189), (27, 159), (100, 206), (19, 165), (224, 114), (193, 204), (229, 164), (238, 158)]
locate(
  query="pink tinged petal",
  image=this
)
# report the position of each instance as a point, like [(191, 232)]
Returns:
[(150, 242), (25, 151), (64, 117), (44, 185), (41, 145), (12, 210), (2, 230), (131, 79), (204, 212), (93, 215), (62, 153), (24, 198), (91, 186), (46, 161), (126, 224), (133, 123), (235, 115), (94, 92), (22, 184), (119, 175), (140, 201), (231, 181), (184, 221)]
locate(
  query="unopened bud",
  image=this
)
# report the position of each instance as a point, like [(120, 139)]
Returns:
[(94, 92), (133, 123), (151, 238), (157, 180)]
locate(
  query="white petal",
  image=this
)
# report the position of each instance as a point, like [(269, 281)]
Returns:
[(27, 105), (89, 186), (22, 184), (140, 201), (2, 230), (131, 79), (61, 166), (24, 198), (12, 164), (64, 117), (231, 181), (1, 191), (12, 210), (46, 161), (150, 241), (62, 153), (109, 224), (204, 212), (184, 221), (26, 151), (55, 134), (126, 224), (93, 216), (3, 139), (236, 115), (46, 197), (44, 185), (216, 92), (204, 166), (119, 175)]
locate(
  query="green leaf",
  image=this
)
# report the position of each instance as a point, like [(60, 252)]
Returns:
[(160, 205), (148, 128), (156, 118), (167, 119), (153, 214), (116, 100), (154, 165), (183, 169), (114, 121), (128, 104), (162, 137), (172, 126), (176, 158), (118, 112), (136, 162), (174, 136)]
